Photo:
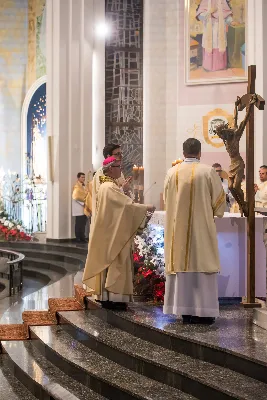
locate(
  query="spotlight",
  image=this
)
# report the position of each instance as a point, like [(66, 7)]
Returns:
[(102, 29)]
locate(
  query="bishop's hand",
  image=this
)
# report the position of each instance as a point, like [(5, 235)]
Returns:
[(126, 184)]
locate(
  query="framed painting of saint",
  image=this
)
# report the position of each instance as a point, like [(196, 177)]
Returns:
[(215, 41)]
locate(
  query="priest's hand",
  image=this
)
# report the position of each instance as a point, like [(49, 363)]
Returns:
[(256, 188)]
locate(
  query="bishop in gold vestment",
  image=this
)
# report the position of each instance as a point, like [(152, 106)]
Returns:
[(108, 269), (111, 150), (193, 195)]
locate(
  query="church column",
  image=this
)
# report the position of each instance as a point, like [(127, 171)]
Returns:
[(160, 92), (256, 54), (263, 42), (70, 49)]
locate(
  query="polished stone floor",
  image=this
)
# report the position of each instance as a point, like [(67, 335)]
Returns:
[(35, 293), (233, 331), (93, 345)]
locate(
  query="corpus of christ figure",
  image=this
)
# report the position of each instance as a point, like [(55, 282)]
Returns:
[(231, 138)]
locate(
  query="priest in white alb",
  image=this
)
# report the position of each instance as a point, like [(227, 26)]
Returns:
[(193, 196), (108, 270)]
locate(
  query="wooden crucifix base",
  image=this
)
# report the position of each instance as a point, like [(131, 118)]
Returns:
[(250, 300), (245, 304)]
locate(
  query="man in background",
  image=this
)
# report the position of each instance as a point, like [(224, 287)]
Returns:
[(261, 188), (79, 194), (193, 196), (219, 171)]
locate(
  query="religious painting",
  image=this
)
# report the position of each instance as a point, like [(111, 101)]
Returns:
[(215, 32), (211, 121), (37, 137)]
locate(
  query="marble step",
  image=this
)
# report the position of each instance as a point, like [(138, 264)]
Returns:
[(52, 266), (260, 317), (228, 343), (61, 248), (102, 375), (40, 376), (10, 387), (198, 378), (35, 270), (69, 258)]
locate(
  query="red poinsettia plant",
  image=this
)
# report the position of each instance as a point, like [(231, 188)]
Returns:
[(149, 283), (12, 230), (149, 278)]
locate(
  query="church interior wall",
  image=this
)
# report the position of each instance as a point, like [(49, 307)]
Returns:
[(75, 102), (173, 111), (22, 61)]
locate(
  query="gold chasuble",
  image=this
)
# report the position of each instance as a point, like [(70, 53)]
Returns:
[(193, 195), (79, 192), (109, 261), (95, 188)]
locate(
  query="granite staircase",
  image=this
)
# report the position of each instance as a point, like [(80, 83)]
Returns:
[(92, 353)]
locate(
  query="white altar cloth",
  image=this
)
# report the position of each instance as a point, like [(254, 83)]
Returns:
[(232, 241)]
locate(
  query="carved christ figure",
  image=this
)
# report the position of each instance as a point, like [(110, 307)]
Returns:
[(231, 138)]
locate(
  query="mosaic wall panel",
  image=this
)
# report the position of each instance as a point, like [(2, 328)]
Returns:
[(124, 79)]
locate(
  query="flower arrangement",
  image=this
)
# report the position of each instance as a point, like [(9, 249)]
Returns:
[(10, 229), (24, 197), (149, 278)]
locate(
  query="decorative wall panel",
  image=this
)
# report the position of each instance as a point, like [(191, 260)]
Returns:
[(124, 79)]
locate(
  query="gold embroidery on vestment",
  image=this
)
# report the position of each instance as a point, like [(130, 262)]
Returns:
[(188, 237)]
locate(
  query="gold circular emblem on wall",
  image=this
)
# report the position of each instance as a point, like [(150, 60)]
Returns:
[(211, 121)]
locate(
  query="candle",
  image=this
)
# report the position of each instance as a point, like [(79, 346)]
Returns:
[(179, 161), (135, 173), (141, 175), (173, 163)]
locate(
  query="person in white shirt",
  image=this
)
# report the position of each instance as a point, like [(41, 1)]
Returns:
[(79, 194), (218, 169), (261, 188)]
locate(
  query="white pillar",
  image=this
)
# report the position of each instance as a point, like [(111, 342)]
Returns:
[(256, 55), (70, 41), (264, 79), (99, 83), (154, 121), (160, 92)]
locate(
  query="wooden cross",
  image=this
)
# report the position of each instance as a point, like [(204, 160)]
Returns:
[(250, 193)]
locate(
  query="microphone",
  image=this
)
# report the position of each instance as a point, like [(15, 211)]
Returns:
[(154, 183)]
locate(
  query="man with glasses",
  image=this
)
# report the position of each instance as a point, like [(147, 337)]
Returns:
[(108, 270), (110, 150)]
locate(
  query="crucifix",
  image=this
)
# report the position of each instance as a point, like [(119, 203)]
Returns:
[(231, 138)]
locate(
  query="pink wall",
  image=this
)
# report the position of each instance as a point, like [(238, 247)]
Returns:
[(202, 94), (219, 157)]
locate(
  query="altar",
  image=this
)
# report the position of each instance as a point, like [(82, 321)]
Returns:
[(232, 241)]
